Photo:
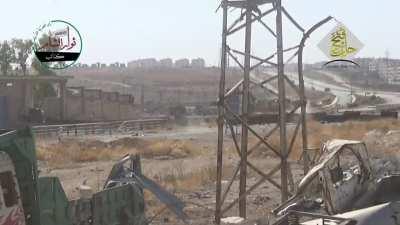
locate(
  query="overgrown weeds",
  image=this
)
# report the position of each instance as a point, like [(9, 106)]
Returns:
[(78, 151), (319, 133)]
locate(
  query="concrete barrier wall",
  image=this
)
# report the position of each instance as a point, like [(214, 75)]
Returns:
[(127, 107), (111, 106), (75, 108), (80, 105), (92, 105), (15, 106), (183, 96), (129, 112), (52, 109)]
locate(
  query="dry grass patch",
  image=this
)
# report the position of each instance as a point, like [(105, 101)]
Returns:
[(319, 133), (190, 181), (73, 150), (173, 148), (180, 179), (352, 130)]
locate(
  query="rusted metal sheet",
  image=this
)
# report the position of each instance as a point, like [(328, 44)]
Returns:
[(42, 201), (54, 206), (120, 205), (128, 171)]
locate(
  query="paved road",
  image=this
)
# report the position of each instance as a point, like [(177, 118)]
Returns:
[(390, 97), (342, 91)]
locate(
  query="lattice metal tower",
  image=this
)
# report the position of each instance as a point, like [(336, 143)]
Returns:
[(251, 12)]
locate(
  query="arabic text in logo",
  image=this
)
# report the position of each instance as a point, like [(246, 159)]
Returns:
[(57, 44), (340, 44)]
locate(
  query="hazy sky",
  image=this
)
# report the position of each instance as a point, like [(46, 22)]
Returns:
[(122, 30)]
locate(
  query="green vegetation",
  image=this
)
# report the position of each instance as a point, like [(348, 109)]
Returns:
[(19, 51), (7, 56), (22, 50)]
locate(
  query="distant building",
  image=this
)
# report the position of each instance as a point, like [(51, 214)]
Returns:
[(387, 69), (95, 65), (134, 64), (372, 67), (149, 63), (166, 63), (114, 65), (198, 63), (143, 63), (182, 63)]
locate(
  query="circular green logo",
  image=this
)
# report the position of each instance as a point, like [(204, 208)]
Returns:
[(57, 44)]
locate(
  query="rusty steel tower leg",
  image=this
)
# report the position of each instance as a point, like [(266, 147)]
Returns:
[(282, 102), (221, 116), (245, 114)]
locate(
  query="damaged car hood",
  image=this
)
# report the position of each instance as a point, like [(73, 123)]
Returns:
[(384, 214)]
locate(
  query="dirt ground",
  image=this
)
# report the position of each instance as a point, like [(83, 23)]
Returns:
[(183, 160)]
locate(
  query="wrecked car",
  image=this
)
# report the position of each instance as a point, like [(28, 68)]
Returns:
[(346, 181)]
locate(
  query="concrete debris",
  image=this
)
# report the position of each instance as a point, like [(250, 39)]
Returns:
[(200, 195), (232, 220), (261, 200), (128, 171), (85, 191)]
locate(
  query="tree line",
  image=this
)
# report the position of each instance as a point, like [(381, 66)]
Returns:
[(18, 51), (14, 51)]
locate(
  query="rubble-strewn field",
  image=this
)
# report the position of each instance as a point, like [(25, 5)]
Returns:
[(184, 161)]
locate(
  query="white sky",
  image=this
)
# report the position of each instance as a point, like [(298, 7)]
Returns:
[(122, 30)]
